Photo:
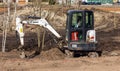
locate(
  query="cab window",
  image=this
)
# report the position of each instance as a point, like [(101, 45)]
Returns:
[(89, 20), (77, 20)]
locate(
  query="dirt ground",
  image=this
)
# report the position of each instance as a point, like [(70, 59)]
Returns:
[(107, 63), (52, 59)]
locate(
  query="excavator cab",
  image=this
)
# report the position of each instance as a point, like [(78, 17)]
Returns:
[(80, 33)]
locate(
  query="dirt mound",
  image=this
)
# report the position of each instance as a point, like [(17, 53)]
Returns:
[(52, 54)]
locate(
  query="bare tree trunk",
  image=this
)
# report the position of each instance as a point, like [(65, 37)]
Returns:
[(66, 2), (3, 39), (37, 10), (38, 37), (6, 27), (8, 18), (43, 40)]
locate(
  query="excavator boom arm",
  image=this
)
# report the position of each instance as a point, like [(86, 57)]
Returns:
[(40, 22)]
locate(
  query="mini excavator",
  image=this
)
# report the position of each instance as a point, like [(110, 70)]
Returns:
[(80, 33)]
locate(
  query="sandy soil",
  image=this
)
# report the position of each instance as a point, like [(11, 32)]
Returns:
[(67, 64)]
